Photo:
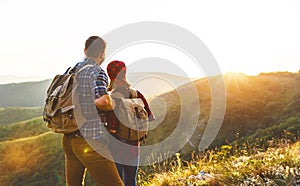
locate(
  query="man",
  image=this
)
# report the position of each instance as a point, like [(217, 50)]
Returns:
[(87, 147)]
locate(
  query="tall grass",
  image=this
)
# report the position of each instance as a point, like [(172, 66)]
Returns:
[(229, 165)]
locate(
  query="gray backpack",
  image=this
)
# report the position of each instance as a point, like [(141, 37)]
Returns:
[(131, 115)]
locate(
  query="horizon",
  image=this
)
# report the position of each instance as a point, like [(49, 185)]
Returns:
[(5, 79), (238, 40)]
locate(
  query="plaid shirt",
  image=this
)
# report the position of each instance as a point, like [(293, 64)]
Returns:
[(92, 85)]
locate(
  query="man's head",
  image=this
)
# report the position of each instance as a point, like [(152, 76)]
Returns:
[(95, 49)]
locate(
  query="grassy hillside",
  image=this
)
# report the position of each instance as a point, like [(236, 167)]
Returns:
[(30, 154), (252, 103), (34, 161), (38, 159), (229, 165), (16, 114), (257, 103), (258, 141), (23, 129)]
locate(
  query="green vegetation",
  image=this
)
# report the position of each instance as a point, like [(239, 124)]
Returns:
[(30, 154), (258, 143), (289, 129), (252, 103), (229, 165), (16, 114), (23, 129), (35, 161)]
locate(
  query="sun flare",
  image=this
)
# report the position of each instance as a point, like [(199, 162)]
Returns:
[(236, 81)]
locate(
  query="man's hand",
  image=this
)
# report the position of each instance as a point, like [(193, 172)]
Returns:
[(105, 102)]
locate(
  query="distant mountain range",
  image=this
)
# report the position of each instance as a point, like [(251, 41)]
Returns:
[(6, 79), (28, 94), (32, 94)]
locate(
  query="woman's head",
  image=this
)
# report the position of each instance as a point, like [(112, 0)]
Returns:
[(116, 71)]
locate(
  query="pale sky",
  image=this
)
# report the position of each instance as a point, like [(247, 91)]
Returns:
[(43, 38)]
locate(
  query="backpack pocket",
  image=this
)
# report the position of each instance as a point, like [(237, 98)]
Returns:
[(68, 120)]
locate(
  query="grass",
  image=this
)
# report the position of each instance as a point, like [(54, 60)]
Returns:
[(17, 114), (23, 129), (229, 165)]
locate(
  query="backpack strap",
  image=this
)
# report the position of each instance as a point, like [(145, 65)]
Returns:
[(117, 95), (82, 68), (70, 71)]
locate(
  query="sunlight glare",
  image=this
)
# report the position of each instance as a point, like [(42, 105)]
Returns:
[(236, 81)]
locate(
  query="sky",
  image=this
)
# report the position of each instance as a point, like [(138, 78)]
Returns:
[(40, 39)]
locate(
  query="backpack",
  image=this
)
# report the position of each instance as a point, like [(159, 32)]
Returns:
[(131, 115), (62, 111)]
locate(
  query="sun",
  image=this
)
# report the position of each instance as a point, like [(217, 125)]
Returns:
[(236, 81)]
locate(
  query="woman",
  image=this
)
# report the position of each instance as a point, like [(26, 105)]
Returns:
[(129, 153)]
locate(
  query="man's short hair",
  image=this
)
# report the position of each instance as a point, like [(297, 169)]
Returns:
[(94, 46)]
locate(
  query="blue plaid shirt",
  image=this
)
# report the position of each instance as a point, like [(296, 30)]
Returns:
[(92, 84)]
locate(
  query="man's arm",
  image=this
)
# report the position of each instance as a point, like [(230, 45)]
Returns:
[(102, 100), (105, 102)]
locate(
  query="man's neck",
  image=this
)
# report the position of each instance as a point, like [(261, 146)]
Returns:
[(94, 59)]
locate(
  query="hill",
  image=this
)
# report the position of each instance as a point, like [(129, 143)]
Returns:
[(34, 161), (23, 129), (28, 94), (16, 114), (38, 159), (33, 94), (6, 79), (30, 154), (230, 166), (252, 103), (258, 102), (260, 111)]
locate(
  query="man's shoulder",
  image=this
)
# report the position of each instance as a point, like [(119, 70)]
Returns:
[(88, 67)]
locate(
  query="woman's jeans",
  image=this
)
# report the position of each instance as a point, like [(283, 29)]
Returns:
[(126, 157)]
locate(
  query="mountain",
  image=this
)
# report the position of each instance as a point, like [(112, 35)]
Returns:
[(259, 110), (28, 94), (6, 79), (259, 102), (32, 94), (252, 103)]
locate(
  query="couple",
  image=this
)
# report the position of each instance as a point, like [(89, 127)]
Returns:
[(82, 147)]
